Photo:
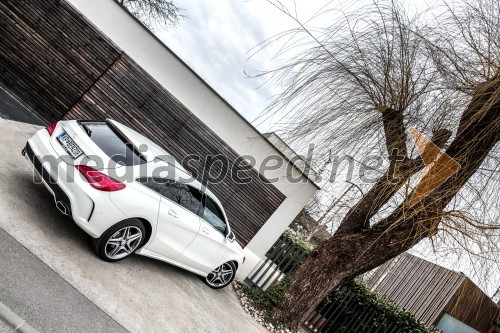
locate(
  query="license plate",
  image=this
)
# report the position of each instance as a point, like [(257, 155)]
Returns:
[(70, 145)]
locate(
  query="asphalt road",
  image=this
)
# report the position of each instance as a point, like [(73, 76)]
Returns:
[(42, 298), (140, 294)]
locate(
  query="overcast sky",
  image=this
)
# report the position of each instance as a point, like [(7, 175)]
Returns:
[(216, 38)]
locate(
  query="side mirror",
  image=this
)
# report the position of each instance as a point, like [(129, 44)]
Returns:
[(231, 237)]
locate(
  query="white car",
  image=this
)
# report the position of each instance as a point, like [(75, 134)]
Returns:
[(131, 196)]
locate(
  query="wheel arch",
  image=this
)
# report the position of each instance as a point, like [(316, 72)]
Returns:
[(234, 260), (148, 227), (236, 264)]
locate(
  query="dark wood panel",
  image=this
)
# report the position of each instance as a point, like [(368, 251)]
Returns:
[(417, 285), (472, 306), (49, 55)]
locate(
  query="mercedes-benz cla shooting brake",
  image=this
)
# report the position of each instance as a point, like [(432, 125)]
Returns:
[(131, 196)]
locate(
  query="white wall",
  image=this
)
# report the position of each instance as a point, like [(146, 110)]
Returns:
[(178, 79)]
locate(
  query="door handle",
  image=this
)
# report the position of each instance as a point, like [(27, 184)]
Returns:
[(173, 213), (205, 230)]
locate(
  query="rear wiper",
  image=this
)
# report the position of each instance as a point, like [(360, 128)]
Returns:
[(125, 140), (85, 127)]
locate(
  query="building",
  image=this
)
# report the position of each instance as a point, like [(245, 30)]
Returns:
[(304, 223), (90, 59), (436, 295)]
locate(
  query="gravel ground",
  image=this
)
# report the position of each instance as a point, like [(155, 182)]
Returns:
[(256, 314)]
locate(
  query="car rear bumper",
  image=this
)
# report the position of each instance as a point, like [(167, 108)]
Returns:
[(92, 210), (53, 187)]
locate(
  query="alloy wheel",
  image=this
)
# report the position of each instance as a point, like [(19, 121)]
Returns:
[(221, 276), (123, 242)]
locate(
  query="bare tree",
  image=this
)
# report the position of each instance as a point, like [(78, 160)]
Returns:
[(360, 85), (154, 13)]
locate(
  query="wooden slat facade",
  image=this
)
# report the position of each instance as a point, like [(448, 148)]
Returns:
[(471, 306), (417, 285), (49, 55), (428, 291), (63, 68)]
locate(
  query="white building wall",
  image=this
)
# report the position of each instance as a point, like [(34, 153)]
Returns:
[(179, 80)]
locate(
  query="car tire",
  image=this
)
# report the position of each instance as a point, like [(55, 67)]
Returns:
[(120, 241), (221, 276)]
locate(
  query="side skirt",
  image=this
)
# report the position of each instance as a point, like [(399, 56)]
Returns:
[(154, 255)]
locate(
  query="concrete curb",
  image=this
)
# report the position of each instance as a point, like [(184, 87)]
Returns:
[(13, 320)]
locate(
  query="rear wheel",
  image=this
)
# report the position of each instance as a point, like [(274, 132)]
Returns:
[(120, 241), (221, 276)]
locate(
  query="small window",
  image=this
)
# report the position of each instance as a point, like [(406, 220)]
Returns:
[(184, 195), (156, 184), (213, 215)]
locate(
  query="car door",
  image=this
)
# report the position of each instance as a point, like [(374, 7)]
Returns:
[(178, 218), (210, 245)]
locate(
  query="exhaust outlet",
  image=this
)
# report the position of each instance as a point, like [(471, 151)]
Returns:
[(62, 207)]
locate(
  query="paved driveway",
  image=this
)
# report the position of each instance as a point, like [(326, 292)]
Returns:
[(142, 294)]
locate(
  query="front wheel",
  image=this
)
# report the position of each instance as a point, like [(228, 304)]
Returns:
[(120, 241), (221, 276)]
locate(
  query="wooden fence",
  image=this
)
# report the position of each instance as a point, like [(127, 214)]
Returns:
[(62, 67)]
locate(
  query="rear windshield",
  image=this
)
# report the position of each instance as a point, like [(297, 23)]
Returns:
[(112, 143)]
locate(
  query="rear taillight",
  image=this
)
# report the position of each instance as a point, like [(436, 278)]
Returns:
[(99, 180), (51, 128)]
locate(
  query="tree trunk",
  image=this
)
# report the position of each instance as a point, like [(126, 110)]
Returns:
[(333, 263), (353, 251), (304, 293)]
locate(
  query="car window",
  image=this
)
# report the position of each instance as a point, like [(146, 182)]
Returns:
[(184, 195), (213, 215), (156, 184), (112, 143)]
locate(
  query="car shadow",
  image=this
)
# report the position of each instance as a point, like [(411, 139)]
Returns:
[(12, 109)]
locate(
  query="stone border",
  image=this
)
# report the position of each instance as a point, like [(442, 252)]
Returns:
[(13, 320)]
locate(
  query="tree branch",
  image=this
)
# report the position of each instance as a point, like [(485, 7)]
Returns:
[(387, 185), (477, 135), (395, 134)]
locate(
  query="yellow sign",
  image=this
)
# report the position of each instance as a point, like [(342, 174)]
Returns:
[(438, 167)]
